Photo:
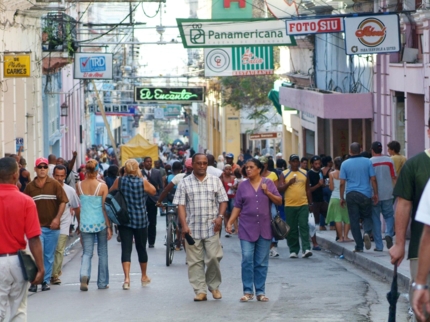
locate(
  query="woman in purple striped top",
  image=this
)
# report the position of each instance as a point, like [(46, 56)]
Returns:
[(253, 200)]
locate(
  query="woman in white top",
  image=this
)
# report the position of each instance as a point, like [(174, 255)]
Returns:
[(336, 212)]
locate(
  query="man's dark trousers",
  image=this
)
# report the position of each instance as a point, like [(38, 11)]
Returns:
[(152, 217), (359, 207)]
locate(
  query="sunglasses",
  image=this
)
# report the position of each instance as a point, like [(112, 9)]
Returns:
[(42, 167)]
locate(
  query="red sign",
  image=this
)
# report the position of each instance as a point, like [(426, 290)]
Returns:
[(242, 3), (314, 26)]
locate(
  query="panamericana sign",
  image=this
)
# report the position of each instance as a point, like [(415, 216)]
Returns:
[(372, 34), (169, 94), (201, 33), (16, 66), (314, 26)]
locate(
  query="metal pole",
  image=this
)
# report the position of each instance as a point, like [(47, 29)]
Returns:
[(102, 110)]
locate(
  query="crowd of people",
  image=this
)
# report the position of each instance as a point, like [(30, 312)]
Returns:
[(350, 193)]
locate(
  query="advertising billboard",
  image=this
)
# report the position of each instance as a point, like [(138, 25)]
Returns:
[(314, 26), (239, 61), (16, 66), (203, 33), (92, 66), (184, 95), (372, 34)]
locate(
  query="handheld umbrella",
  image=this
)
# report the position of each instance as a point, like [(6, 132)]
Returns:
[(393, 296)]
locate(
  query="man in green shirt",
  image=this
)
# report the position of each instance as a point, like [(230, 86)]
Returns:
[(408, 190)]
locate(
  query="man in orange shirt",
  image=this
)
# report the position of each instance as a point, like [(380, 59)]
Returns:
[(18, 221)]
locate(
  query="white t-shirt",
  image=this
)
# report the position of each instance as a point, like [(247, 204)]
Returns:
[(66, 218), (214, 171), (423, 211), (176, 179)]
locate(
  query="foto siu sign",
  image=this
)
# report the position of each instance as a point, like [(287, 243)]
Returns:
[(314, 26)]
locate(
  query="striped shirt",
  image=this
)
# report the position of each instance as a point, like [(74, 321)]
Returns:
[(47, 199), (201, 200)]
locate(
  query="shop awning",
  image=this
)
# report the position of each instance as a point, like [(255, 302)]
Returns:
[(274, 97), (328, 105)]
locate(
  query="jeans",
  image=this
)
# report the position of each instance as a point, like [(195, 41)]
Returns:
[(359, 207), (255, 263), (102, 251), (49, 240), (386, 208)]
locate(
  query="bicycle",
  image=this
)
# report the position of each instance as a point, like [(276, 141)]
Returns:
[(173, 231)]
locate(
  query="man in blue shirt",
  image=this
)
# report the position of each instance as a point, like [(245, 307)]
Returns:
[(358, 173)]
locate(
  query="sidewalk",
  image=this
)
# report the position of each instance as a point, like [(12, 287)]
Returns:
[(375, 262)]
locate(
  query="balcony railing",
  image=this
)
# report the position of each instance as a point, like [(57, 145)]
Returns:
[(59, 33)]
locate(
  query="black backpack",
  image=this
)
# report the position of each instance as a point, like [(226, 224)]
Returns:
[(116, 206)]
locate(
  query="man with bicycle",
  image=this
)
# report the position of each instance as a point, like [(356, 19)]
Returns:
[(202, 201)]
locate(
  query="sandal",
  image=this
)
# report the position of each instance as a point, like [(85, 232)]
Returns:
[(262, 298), (126, 286), (247, 297), (146, 282)]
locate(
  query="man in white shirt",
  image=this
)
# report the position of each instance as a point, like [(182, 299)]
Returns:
[(211, 169), (421, 297), (60, 173)]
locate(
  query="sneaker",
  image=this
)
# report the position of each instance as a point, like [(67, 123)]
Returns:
[(55, 281), (45, 287), (377, 250), (367, 242), (357, 251), (307, 254), (33, 288), (227, 235), (389, 241), (274, 252), (293, 255)]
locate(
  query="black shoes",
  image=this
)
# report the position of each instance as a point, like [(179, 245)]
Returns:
[(45, 287), (33, 288), (151, 246), (389, 241)]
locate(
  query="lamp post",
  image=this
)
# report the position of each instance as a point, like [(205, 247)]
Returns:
[(64, 109)]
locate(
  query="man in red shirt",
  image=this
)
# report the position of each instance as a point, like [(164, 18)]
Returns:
[(18, 221)]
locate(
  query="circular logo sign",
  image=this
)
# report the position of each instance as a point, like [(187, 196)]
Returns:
[(218, 60), (283, 8), (371, 32)]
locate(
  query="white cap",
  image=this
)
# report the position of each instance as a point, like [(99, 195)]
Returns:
[(279, 154)]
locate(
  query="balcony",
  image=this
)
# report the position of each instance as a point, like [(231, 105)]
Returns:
[(59, 39)]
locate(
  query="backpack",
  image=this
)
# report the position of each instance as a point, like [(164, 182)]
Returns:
[(116, 206)]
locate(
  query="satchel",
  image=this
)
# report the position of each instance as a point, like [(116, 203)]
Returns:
[(116, 206), (28, 265), (280, 228)]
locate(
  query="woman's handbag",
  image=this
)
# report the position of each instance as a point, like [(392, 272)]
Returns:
[(280, 228)]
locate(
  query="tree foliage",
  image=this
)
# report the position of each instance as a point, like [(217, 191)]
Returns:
[(246, 91)]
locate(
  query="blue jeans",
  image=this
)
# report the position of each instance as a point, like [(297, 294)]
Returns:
[(102, 251), (386, 208), (49, 240), (359, 207), (255, 263)]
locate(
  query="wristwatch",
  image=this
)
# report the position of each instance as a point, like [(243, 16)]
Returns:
[(221, 216), (417, 287)]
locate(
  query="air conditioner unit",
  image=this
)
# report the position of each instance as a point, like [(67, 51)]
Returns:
[(410, 55)]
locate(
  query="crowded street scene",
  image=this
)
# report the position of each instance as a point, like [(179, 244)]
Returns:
[(216, 160)]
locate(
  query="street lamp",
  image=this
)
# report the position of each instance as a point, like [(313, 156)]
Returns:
[(64, 109)]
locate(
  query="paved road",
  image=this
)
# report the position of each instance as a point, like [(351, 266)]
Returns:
[(321, 288)]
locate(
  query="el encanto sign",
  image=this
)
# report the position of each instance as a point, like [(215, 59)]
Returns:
[(169, 94)]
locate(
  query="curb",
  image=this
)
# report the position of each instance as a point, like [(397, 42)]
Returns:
[(383, 271)]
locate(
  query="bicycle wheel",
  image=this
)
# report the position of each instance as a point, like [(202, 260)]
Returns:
[(169, 244)]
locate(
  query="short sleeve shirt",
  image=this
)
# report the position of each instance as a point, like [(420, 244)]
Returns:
[(74, 202), (423, 211), (178, 178), (314, 179), (410, 186), (201, 200), (356, 171), (22, 225), (47, 199), (399, 161), (385, 173), (295, 195)]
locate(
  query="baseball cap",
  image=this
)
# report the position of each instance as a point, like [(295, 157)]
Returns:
[(41, 160), (279, 154), (294, 157), (377, 146), (229, 155), (189, 163)]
